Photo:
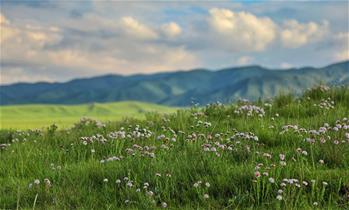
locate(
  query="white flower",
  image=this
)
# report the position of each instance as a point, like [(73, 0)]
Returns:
[(282, 163), (196, 185), (118, 181), (129, 184), (315, 203), (207, 184), (206, 196), (93, 150), (325, 183), (305, 153), (138, 190), (105, 180), (164, 205), (279, 197), (37, 181), (271, 180), (47, 182), (150, 193), (280, 191), (282, 157)]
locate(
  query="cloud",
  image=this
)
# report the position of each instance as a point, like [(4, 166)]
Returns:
[(341, 40), (171, 29), (245, 60), (241, 31), (134, 28), (295, 34), (143, 38), (3, 20), (285, 65)]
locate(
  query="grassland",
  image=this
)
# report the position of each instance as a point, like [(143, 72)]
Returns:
[(38, 116), (287, 153)]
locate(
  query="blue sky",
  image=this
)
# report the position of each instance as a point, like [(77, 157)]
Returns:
[(61, 40)]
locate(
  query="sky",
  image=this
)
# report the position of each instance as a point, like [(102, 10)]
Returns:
[(49, 40)]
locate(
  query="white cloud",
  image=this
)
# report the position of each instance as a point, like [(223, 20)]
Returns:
[(3, 20), (171, 29), (286, 65), (294, 34), (242, 31), (244, 60), (342, 49), (134, 28)]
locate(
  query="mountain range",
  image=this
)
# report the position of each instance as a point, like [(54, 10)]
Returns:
[(178, 88)]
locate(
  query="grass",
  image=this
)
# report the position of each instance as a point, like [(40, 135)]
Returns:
[(214, 157), (38, 116)]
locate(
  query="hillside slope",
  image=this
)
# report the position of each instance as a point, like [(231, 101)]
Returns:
[(36, 116), (178, 88)]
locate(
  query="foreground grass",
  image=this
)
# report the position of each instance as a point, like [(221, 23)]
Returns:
[(38, 116), (274, 155)]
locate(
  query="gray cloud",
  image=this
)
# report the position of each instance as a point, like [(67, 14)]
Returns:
[(70, 40)]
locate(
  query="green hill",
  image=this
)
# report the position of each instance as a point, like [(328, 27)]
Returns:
[(36, 116), (178, 88), (287, 153)]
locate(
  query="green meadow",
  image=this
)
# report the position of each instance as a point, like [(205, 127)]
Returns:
[(285, 153), (64, 116)]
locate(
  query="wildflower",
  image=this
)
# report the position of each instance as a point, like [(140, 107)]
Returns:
[(305, 183), (47, 182), (325, 183), (282, 157), (93, 150), (265, 174), (206, 196), (315, 203), (282, 163), (207, 184), (279, 197), (271, 180), (321, 161), (196, 185), (37, 181), (280, 191), (305, 153), (138, 190), (105, 180), (127, 201), (118, 181), (30, 185), (129, 184), (157, 174), (257, 174), (150, 193), (164, 205)]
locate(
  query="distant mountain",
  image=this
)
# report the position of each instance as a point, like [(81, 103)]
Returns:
[(178, 88)]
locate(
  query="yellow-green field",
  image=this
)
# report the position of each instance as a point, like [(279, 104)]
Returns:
[(37, 116)]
